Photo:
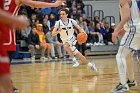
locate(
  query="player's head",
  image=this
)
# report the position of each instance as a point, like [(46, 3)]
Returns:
[(63, 13)]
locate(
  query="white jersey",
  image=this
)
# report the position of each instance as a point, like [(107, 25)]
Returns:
[(135, 17), (67, 29)]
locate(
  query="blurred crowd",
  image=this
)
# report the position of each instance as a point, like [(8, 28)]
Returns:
[(38, 34)]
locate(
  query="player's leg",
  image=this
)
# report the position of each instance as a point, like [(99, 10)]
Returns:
[(83, 59), (6, 85), (130, 61), (121, 56), (130, 70), (32, 51), (68, 49), (5, 78), (10, 54)]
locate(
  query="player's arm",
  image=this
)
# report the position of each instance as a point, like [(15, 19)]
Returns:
[(11, 21), (56, 29), (125, 8), (5, 15), (38, 4), (77, 26), (125, 14)]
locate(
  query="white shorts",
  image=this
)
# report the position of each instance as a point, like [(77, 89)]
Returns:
[(131, 39), (71, 41)]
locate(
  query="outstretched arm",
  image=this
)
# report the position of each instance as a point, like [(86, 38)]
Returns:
[(38, 4)]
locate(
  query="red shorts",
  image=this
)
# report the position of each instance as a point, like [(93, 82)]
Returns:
[(4, 63)]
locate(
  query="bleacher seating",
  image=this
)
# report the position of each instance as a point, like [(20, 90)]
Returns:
[(99, 50)]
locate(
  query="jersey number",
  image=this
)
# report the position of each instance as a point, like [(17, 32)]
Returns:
[(7, 4), (67, 33)]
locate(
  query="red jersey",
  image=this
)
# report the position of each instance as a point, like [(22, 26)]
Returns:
[(7, 35)]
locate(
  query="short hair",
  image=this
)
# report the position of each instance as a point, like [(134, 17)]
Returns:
[(64, 9)]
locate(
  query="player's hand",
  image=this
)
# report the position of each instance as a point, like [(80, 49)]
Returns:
[(59, 2), (121, 33), (18, 2), (59, 30), (21, 23), (114, 37)]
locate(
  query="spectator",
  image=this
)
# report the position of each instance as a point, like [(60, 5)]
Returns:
[(33, 20), (25, 32), (46, 19), (107, 26), (79, 7), (69, 3), (111, 30), (81, 3), (104, 33), (96, 20), (97, 31), (93, 36), (45, 26), (42, 39), (55, 45), (52, 20), (34, 43)]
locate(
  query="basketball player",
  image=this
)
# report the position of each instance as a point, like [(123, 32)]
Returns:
[(10, 21), (130, 21), (7, 35), (65, 28)]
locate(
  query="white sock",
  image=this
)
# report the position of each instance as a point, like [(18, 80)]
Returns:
[(121, 61), (89, 64), (74, 59)]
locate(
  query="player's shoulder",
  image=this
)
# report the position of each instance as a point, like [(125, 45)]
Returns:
[(58, 21), (71, 19)]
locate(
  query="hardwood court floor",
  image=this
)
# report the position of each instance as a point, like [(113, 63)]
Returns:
[(59, 77)]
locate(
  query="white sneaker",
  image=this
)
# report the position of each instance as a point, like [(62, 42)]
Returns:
[(43, 58), (33, 58), (76, 64), (92, 66)]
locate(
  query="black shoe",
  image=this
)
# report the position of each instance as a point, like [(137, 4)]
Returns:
[(15, 90), (131, 84), (121, 88)]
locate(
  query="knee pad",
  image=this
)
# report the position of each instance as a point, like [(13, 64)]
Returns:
[(73, 48)]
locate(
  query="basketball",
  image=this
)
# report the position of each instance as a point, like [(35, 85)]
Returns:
[(81, 38)]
